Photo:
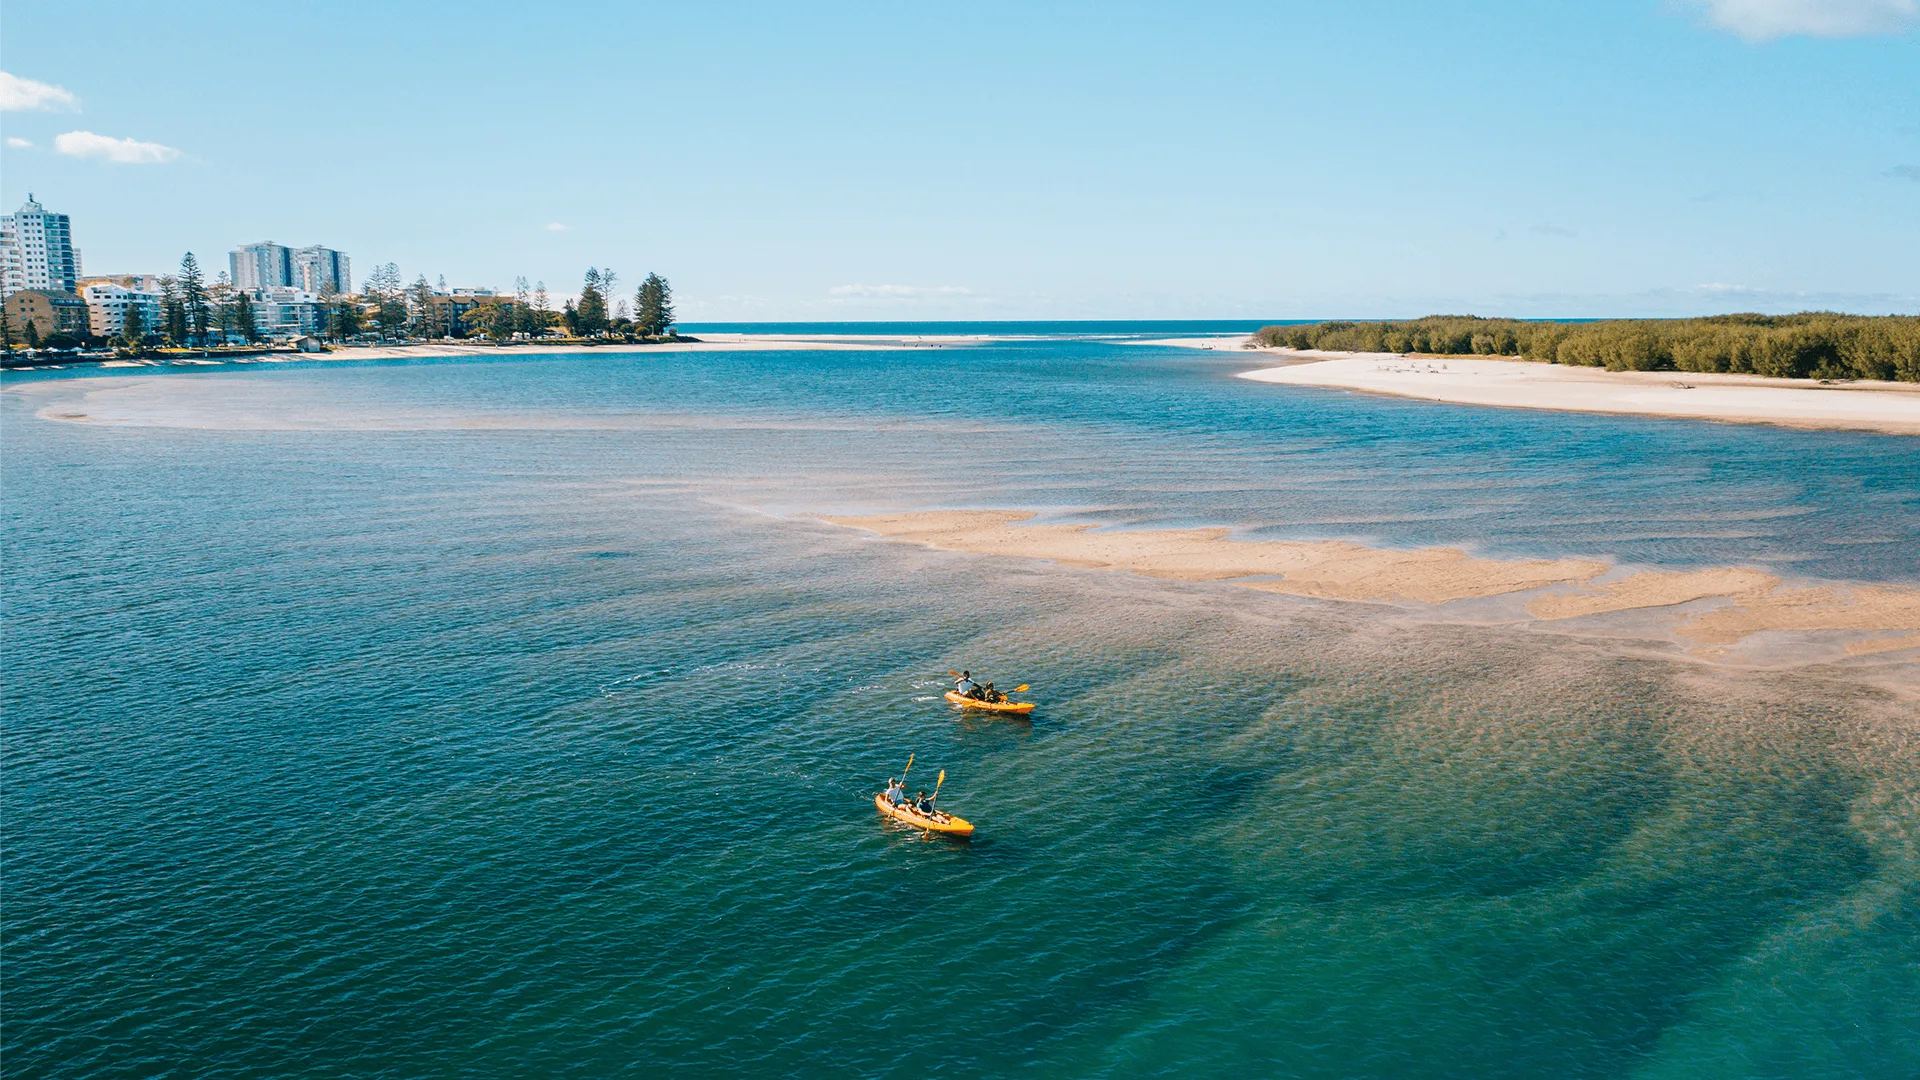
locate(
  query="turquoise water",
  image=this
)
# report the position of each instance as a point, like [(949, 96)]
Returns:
[(502, 719)]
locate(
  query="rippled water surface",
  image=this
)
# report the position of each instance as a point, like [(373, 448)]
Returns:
[(502, 719)]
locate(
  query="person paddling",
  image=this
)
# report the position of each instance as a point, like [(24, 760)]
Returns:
[(966, 687), (896, 791)]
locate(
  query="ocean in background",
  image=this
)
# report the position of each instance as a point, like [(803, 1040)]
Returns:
[(509, 717)]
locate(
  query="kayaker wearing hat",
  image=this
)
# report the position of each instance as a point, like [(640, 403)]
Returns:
[(896, 791)]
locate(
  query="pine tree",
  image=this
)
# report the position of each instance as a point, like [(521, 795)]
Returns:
[(243, 317), (173, 315), (343, 320), (653, 307), (570, 318), (133, 330), (193, 298), (421, 308), (6, 332), (542, 309), (591, 312)]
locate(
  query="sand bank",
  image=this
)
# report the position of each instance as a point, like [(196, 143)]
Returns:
[(1750, 602), (1893, 408), (1212, 342), (707, 343)]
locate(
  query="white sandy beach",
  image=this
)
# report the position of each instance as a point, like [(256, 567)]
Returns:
[(1888, 407)]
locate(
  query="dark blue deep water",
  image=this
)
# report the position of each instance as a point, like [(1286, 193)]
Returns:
[(507, 718)]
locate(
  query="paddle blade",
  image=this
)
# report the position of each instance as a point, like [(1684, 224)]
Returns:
[(942, 780), (1020, 689), (953, 673)]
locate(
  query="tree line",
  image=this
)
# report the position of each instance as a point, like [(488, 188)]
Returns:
[(1818, 344), (389, 309)]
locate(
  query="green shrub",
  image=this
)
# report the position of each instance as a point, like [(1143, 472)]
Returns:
[(1809, 345)]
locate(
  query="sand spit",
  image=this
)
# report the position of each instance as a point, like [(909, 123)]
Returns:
[(1892, 408), (707, 343), (1339, 570)]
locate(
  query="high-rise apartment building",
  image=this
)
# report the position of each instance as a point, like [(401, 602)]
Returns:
[(13, 271), (39, 250), (260, 266), (321, 270), (268, 265)]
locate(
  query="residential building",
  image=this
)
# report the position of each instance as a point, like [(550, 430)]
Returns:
[(321, 270), (13, 270), (41, 246), (281, 312), (261, 266), (267, 265), (108, 301), (51, 311), (455, 314)]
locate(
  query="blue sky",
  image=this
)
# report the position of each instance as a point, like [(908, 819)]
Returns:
[(1005, 161)]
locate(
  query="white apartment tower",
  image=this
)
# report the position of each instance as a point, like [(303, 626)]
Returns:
[(38, 250), (321, 270), (260, 266)]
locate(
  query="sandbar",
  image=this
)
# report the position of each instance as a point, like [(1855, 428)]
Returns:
[(1858, 405), (1749, 601), (708, 342)]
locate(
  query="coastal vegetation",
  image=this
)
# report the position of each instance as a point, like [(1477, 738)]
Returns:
[(1819, 345)]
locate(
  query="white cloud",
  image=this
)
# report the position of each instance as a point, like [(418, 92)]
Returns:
[(21, 95), (85, 144), (554, 226), (18, 143), (1764, 20), (898, 292)]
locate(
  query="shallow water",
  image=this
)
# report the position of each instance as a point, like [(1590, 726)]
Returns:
[(495, 718)]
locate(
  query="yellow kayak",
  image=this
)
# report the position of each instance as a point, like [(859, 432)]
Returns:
[(959, 698), (952, 826)]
